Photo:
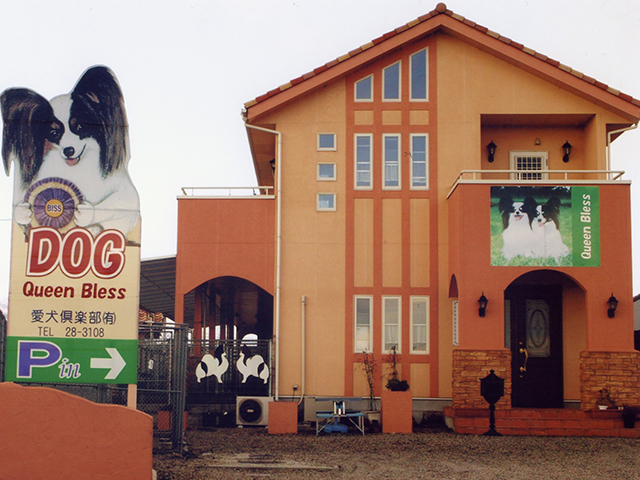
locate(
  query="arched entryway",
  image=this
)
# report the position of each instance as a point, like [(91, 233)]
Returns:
[(231, 346), (545, 330)]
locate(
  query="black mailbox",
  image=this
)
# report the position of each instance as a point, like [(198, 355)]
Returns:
[(492, 390)]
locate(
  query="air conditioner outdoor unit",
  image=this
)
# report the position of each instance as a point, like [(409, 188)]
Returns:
[(253, 411)]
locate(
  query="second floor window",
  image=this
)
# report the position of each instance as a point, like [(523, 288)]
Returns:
[(363, 162), (391, 152), (419, 161)]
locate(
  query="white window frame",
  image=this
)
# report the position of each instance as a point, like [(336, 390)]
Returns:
[(323, 178), (386, 162), (414, 300), (327, 149), (369, 325), (355, 90), (426, 161), (396, 326), (531, 174), (384, 81), (426, 76), (325, 209), (369, 186)]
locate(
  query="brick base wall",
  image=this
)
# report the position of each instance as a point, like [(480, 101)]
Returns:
[(619, 372), (469, 367)]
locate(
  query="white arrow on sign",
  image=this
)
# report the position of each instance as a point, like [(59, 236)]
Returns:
[(116, 363)]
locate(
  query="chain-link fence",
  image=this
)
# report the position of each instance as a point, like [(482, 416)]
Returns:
[(162, 365)]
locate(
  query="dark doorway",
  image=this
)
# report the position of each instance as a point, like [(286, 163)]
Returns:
[(535, 314)]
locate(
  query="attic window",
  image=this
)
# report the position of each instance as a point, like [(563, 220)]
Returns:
[(391, 82), (364, 89), (419, 84)]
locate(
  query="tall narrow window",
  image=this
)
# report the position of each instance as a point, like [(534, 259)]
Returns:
[(391, 82), (419, 161), (364, 89), (391, 315), (419, 324), (362, 334), (363, 162), (391, 160), (419, 90)]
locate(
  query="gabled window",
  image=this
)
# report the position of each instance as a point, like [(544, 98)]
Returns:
[(364, 89), (363, 163), (391, 321), (391, 83), (420, 325), (363, 337), (419, 79), (419, 161), (327, 141), (391, 161)]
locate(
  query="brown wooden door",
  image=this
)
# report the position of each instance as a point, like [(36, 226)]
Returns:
[(535, 314)]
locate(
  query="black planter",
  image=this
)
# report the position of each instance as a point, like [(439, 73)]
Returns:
[(629, 421)]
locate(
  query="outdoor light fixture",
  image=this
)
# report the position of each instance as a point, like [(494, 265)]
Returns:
[(491, 149), (273, 166), (567, 151), (482, 301), (613, 304)]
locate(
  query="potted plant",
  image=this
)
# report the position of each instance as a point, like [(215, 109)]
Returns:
[(630, 415), (373, 414), (604, 402), (397, 402)]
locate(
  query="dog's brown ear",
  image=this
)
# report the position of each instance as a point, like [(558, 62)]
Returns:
[(26, 116)]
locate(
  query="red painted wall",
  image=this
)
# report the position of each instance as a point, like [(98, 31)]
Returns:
[(50, 434)]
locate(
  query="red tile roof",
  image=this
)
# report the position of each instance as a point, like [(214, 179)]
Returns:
[(441, 9)]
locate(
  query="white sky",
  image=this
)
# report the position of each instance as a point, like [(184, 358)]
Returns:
[(187, 67)]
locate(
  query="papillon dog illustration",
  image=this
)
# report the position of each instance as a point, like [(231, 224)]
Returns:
[(71, 156), (546, 226), (517, 234), (216, 364)]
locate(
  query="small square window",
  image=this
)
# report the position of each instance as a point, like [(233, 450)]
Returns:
[(326, 172), (364, 89), (326, 202), (327, 141)]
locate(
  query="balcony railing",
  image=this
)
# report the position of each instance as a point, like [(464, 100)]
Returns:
[(533, 177), (227, 192)]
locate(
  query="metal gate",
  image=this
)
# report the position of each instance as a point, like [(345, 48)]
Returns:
[(221, 370)]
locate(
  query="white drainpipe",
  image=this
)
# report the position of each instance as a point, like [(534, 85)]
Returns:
[(609, 135), (278, 247)]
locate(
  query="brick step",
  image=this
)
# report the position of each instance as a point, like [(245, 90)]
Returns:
[(542, 422)]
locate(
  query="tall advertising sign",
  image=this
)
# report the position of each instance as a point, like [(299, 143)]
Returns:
[(75, 241)]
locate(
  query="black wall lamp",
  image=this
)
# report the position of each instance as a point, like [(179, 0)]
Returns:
[(491, 150), (613, 304), (273, 166), (566, 148), (482, 301)]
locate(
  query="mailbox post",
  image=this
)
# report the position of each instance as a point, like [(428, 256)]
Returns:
[(492, 390)]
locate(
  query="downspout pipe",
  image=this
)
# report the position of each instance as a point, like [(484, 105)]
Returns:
[(303, 320), (610, 134), (278, 246)]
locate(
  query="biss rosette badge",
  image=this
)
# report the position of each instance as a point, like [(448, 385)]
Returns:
[(75, 240)]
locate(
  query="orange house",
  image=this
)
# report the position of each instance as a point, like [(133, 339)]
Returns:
[(436, 166)]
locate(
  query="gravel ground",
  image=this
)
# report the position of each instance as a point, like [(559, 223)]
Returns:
[(428, 453)]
